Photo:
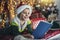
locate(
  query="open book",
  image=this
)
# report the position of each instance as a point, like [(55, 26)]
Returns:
[(41, 29)]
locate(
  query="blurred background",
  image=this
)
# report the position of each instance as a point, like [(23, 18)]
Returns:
[(48, 9)]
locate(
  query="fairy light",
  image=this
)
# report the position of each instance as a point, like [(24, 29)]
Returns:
[(2, 6), (46, 2), (3, 22), (1, 11), (11, 8)]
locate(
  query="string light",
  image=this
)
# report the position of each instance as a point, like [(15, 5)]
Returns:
[(2, 6), (13, 3)]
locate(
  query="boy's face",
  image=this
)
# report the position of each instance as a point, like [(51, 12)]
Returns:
[(25, 14)]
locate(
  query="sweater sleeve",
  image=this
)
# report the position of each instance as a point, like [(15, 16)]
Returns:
[(10, 29), (29, 28)]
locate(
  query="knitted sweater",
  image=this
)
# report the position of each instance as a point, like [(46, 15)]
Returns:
[(13, 29)]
